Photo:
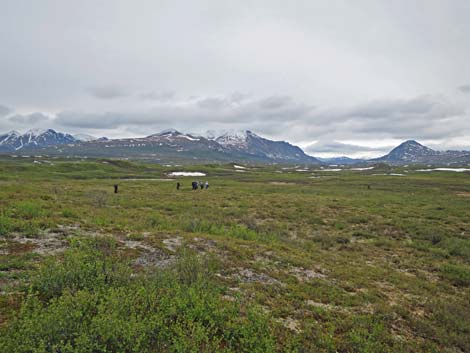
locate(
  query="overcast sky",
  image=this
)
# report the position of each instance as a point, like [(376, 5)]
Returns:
[(335, 77)]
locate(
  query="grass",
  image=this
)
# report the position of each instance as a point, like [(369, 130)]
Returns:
[(262, 261)]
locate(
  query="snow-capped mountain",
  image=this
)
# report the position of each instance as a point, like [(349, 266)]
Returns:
[(10, 138), (230, 146), (252, 144), (14, 141), (169, 144), (173, 134), (235, 139)]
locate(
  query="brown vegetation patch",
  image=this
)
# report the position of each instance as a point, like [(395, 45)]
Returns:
[(14, 247), (463, 194)]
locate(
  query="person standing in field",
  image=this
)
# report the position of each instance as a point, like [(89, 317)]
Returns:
[(201, 185), (178, 185), (207, 185)]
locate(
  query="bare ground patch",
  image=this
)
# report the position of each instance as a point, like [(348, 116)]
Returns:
[(463, 194), (149, 256), (281, 183), (303, 274), (247, 275)]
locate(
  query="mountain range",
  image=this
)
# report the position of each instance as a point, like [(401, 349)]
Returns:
[(166, 146), (174, 146)]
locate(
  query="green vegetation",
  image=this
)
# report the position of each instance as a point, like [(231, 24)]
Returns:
[(266, 260), (90, 303)]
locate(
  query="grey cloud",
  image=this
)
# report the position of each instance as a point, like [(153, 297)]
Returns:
[(338, 147), (275, 102), (194, 114), (238, 97), (306, 85), (4, 110), (420, 117), (464, 88), (33, 118), (394, 108), (158, 96), (213, 103), (424, 117), (108, 92)]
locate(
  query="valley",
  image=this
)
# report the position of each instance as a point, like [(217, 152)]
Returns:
[(268, 259)]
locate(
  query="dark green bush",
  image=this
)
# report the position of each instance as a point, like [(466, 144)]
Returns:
[(90, 303), (87, 265)]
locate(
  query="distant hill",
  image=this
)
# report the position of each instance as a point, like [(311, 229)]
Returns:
[(341, 160), (412, 152)]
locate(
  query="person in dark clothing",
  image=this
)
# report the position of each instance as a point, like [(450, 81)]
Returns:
[(201, 185), (207, 185), (178, 185), (194, 184)]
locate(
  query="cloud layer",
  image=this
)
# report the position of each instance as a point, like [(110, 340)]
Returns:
[(364, 74)]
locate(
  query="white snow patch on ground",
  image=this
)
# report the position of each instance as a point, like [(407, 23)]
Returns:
[(239, 166), (392, 174), (367, 168), (301, 170), (146, 179), (187, 174), (329, 170), (458, 170)]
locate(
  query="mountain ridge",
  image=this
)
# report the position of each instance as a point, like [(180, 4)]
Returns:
[(164, 145), (231, 145)]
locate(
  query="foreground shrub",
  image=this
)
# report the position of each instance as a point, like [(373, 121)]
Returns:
[(88, 303)]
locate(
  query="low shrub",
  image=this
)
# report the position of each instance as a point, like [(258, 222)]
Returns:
[(6, 225), (457, 247), (457, 274), (68, 213), (28, 210), (89, 303)]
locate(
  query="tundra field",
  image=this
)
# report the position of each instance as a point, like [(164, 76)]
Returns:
[(268, 259)]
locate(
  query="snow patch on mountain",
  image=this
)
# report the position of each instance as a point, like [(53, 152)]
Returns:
[(234, 138), (84, 137), (14, 141)]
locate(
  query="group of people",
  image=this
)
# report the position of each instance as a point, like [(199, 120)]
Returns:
[(195, 185)]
